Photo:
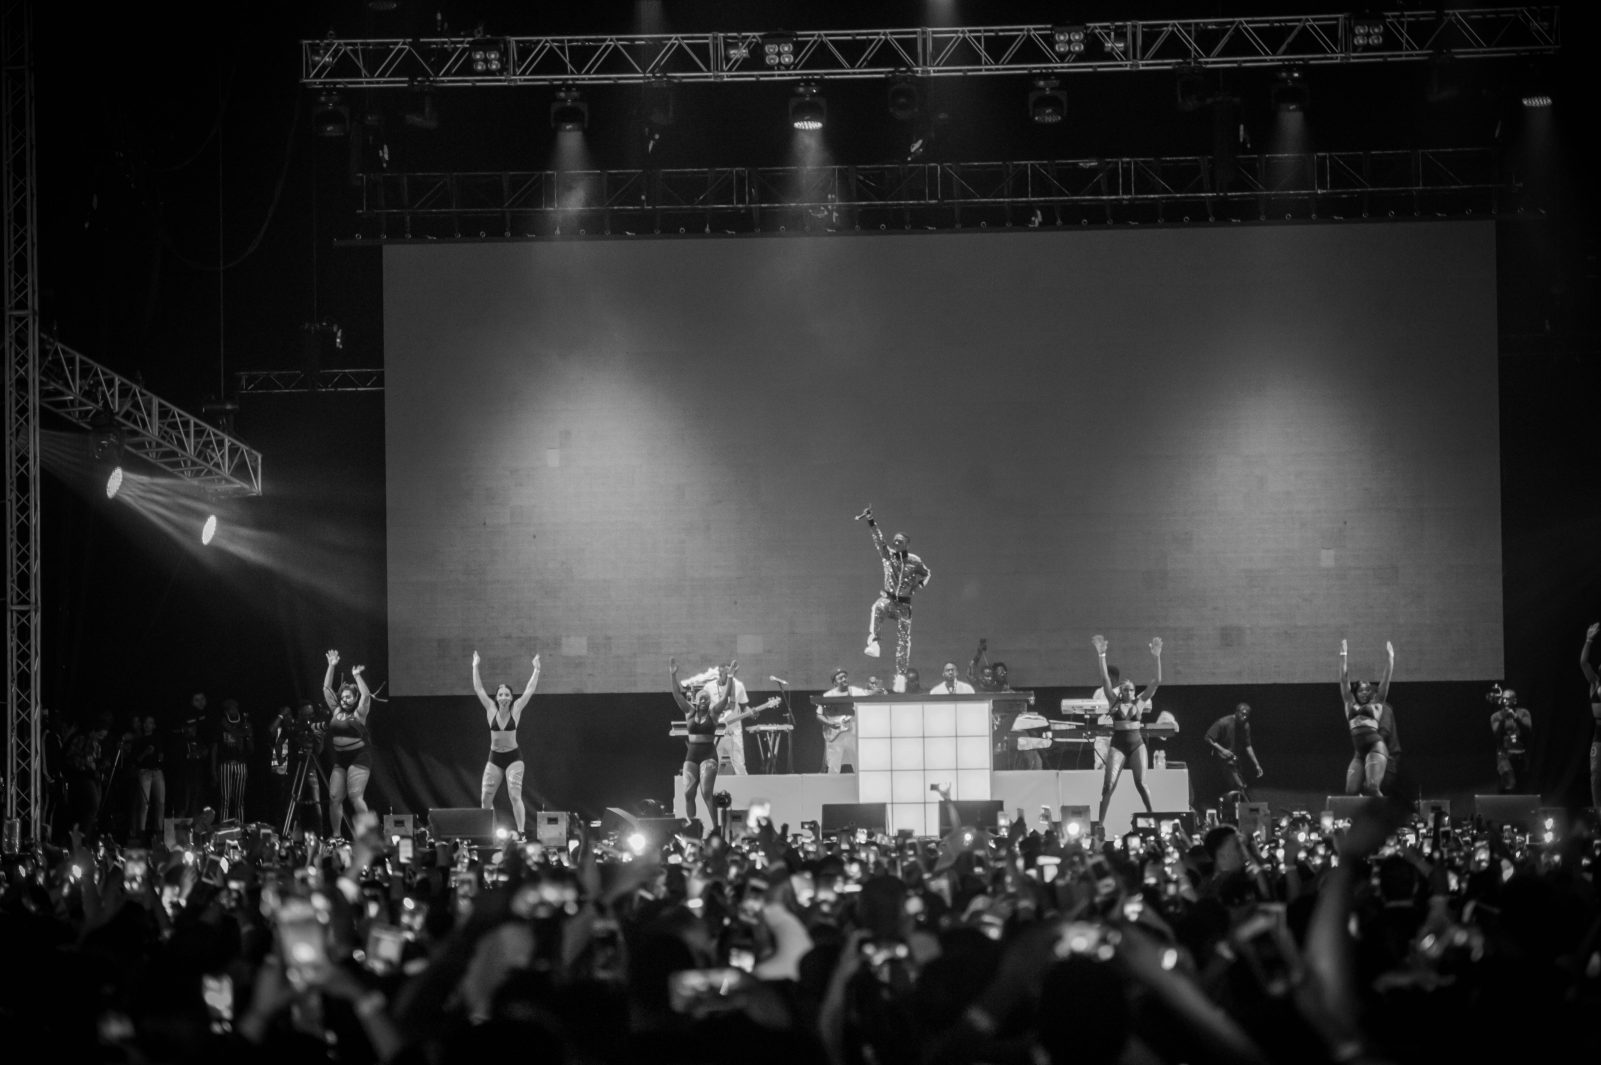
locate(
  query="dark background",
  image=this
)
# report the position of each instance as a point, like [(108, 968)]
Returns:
[(168, 147)]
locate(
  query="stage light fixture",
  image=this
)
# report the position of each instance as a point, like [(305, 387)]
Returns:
[(424, 111), (1194, 91), (569, 112), (1068, 40), (114, 482), (905, 101), (1290, 91), (1537, 99), (807, 108), (487, 56), (330, 115), (1367, 31), (778, 50), (1047, 103), (208, 531), (659, 102)]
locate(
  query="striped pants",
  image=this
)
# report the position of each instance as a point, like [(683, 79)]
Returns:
[(233, 791)]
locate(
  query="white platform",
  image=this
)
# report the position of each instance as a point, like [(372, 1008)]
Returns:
[(800, 796)]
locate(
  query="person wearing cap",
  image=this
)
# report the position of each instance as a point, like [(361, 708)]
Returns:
[(839, 726), (904, 575)]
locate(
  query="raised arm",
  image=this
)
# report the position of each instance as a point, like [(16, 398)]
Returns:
[(1100, 656), (878, 535), (364, 704), (1156, 653), (685, 707), (528, 692), (980, 655), (1346, 697), (328, 695), (478, 687), (1389, 671), (1584, 658)]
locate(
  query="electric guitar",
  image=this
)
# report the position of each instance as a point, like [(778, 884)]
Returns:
[(750, 711), (835, 727)]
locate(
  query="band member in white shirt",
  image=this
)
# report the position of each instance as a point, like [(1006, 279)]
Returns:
[(949, 683), (727, 695), (839, 725)]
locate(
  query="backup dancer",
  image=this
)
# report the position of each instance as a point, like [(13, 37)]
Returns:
[(1364, 704), (351, 741), (1127, 735), (505, 755)]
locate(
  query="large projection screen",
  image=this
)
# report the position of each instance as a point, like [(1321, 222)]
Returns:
[(1250, 441)]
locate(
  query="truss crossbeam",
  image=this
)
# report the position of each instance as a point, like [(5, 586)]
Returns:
[(282, 381), (960, 51), (77, 388), (24, 752), (486, 205)]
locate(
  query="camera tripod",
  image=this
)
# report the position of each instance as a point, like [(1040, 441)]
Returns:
[(305, 765)]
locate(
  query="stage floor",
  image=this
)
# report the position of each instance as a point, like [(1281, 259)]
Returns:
[(800, 797)]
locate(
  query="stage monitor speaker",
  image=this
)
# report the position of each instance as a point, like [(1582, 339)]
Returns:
[(462, 822), (1345, 807), (1521, 810), (976, 813), (550, 828), (624, 825), (402, 825), (1428, 807), (849, 816), (1162, 822), (1253, 818)]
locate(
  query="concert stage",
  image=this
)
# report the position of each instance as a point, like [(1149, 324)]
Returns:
[(801, 796)]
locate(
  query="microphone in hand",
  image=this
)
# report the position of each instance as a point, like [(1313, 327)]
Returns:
[(780, 681), (867, 512)]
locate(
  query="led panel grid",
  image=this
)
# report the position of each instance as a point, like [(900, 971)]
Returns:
[(908, 787), (906, 719), (872, 720), (939, 719), (973, 752), (939, 752), (973, 719), (873, 786), (906, 752), (872, 755)]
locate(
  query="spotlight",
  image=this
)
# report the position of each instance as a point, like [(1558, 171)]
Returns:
[(807, 109), (502, 833), (208, 531), (487, 56), (778, 50), (904, 99), (1290, 92), (1047, 103), (1536, 99), (1367, 31), (636, 842), (330, 116), (1068, 40), (569, 113), (114, 482)]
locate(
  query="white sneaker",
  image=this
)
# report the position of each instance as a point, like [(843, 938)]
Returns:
[(900, 684), (871, 650)]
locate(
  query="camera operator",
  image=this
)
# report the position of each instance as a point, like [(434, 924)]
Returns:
[(1511, 724)]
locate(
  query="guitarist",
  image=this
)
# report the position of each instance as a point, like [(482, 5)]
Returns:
[(839, 727), (730, 705)]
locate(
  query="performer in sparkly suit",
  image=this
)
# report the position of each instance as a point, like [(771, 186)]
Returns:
[(904, 574)]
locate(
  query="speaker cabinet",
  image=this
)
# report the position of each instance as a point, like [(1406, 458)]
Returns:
[(462, 822)]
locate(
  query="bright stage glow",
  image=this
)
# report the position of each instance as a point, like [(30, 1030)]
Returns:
[(636, 843), (208, 530), (114, 482)]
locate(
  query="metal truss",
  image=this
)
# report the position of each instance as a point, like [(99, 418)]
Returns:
[(400, 207), (282, 381), (77, 388), (18, 144), (963, 51)]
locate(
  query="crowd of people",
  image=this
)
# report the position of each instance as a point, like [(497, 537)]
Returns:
[(1387, 939)]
